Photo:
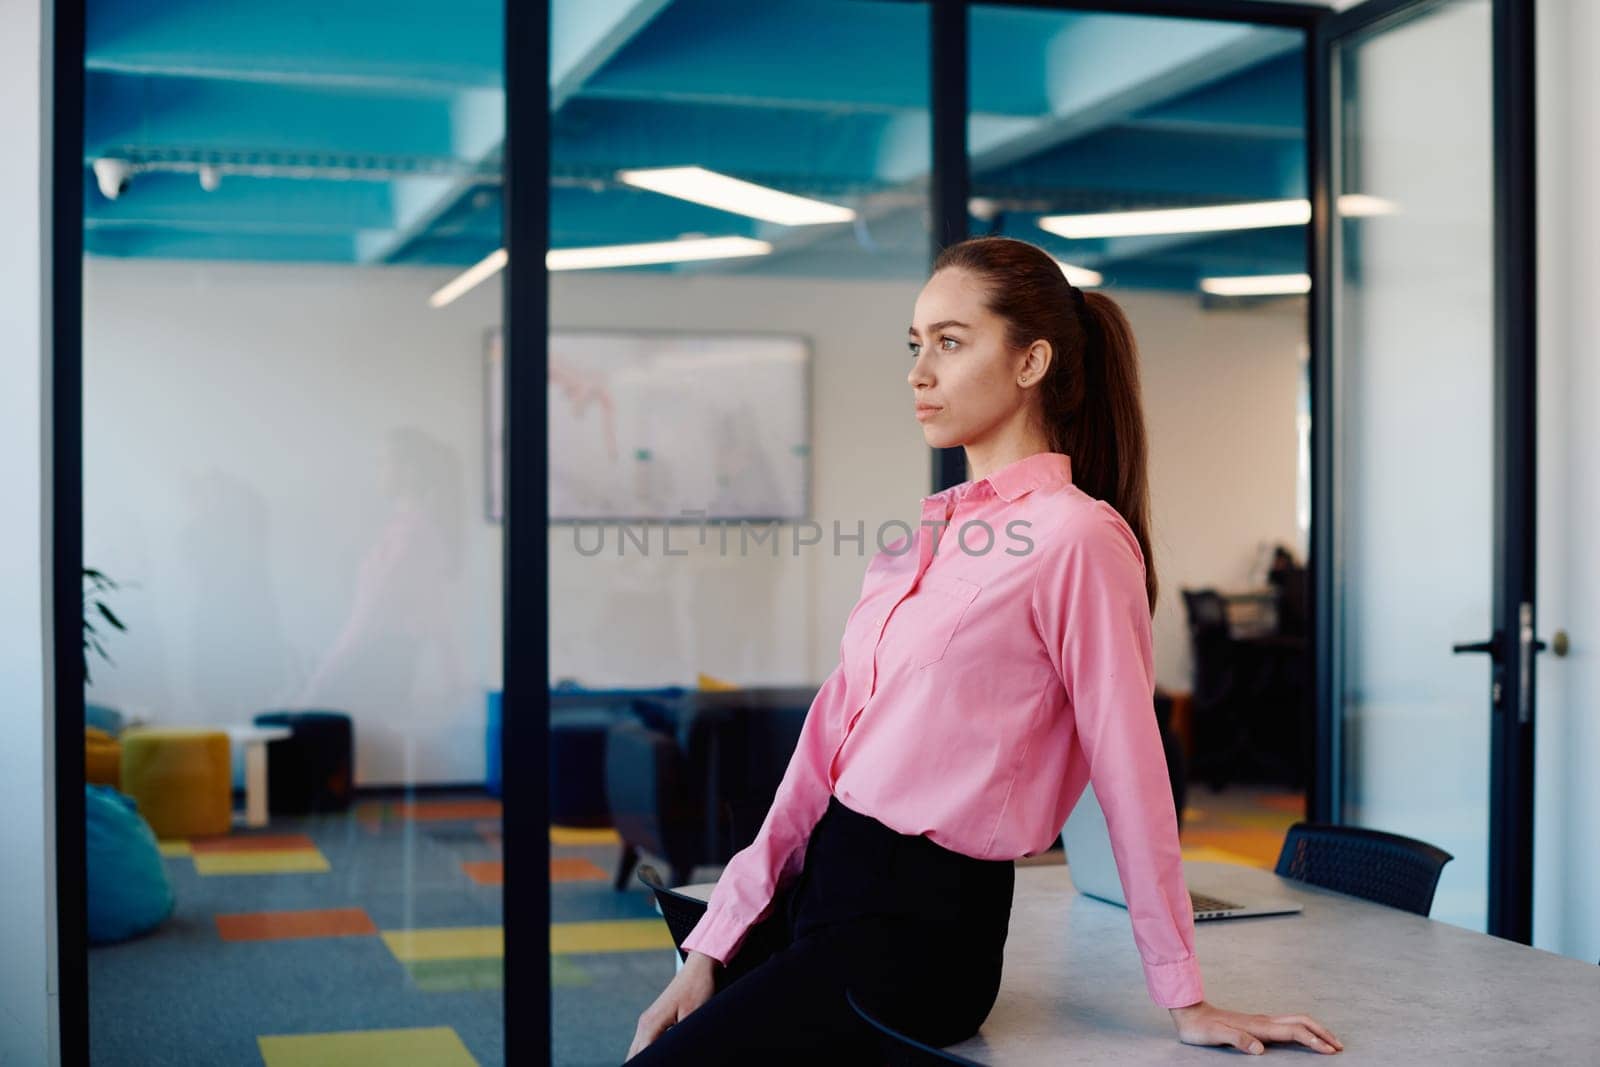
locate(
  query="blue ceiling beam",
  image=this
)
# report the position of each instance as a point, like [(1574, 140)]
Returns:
[(1145, 166), (162, 243), (1267, 100), (586, 34), (411, 46), (805, 54), (598, 137), (581, 218), (1107, 68), (151, 114), (241, 204)]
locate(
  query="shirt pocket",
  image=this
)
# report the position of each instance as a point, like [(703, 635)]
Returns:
[(942, 614)]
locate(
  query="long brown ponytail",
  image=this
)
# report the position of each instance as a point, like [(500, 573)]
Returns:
[(1090, 400)]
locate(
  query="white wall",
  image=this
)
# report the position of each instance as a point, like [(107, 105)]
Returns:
[(240, 471), (234, 444), (1567, 800), (27, 872)]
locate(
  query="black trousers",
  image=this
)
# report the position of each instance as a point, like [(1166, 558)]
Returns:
[(914, 930)]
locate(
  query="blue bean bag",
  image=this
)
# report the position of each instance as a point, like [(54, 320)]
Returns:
[(128, 888)]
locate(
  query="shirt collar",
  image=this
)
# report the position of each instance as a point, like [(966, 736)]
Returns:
[(1021, 476)]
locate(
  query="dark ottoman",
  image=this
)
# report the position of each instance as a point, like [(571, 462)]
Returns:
[(310, 770)]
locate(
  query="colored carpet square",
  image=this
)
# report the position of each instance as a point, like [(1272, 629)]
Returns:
[(614, 935), (1211, 854), (299, 862), (253, 843), (576, 869), (292, 925), (454, 976), (446, 943), (424, 1046), (486, 872), (426, 810), (577, 835), (174, 849), (564, 972)]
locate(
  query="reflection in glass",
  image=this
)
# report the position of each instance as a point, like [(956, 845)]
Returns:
[(294, 831)]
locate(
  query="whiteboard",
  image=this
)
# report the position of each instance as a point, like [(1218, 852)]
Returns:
[(667, 426)]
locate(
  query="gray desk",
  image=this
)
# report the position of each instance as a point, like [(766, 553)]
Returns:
[(1394, 987)]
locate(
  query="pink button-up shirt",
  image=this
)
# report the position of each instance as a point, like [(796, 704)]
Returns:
[(983, 680)]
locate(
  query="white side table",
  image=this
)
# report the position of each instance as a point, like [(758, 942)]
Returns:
[(254, 739)]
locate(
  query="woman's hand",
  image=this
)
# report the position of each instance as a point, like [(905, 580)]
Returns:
[(1206, 1024), (691, 987)]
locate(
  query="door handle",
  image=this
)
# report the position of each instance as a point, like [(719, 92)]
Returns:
[(1491, 646)]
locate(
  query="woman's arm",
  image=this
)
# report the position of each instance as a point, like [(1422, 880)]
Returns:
[(1090, 604), (749, 883)]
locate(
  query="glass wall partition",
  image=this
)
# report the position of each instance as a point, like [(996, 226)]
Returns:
[(738, 236), (1163, 160), (293, 825)]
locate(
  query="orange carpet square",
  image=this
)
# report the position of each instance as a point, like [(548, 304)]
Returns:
[(485, 872), (202, 846), (428, 810), (288, 925), (576, 869)]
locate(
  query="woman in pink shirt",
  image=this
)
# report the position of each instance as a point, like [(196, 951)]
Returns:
[(998, 659)]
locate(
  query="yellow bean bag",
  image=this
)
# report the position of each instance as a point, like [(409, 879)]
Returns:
[(182, 779), (102, 758)]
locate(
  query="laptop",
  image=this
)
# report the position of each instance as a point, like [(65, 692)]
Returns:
[(1093, 868)]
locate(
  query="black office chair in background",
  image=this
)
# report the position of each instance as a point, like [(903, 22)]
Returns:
[(1386, 868), (902, 1050)]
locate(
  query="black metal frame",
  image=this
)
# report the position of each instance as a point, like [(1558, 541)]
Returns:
[(63, 524), (525, 644), (1511, 758)]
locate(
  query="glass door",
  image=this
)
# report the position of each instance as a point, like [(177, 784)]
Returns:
[(1426, 457)]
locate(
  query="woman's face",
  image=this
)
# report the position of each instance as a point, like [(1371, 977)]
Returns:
[(963, 377)]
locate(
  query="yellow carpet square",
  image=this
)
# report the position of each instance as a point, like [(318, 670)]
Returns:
[(618, 935), (424, 1046), (446, 943), (1211, 854), (579, 835), (175, 848), (300, 861)]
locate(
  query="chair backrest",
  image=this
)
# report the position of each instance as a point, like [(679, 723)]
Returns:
[(1391, 869), (680, 910), (905, 1051)]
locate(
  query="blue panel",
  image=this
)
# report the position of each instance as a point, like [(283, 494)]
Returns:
[(579, 218), (410, 45), (171, 244), (185, 113), (1144, 164), (242, 204), (818, 149), (801, 53), (1268, 99)]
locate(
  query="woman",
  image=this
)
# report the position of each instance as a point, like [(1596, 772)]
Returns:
[(984, 678)]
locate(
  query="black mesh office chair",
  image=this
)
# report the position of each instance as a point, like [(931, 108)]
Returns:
[(1391, 869), (904, 1051), (680, 910), (683, 912)]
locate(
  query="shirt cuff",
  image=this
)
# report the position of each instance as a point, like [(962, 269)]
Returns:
[(717, 934), (1176, 984)]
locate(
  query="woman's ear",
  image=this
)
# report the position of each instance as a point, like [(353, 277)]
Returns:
[(1035, 363)]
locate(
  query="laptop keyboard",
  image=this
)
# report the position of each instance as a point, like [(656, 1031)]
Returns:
[(1201, 903)]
